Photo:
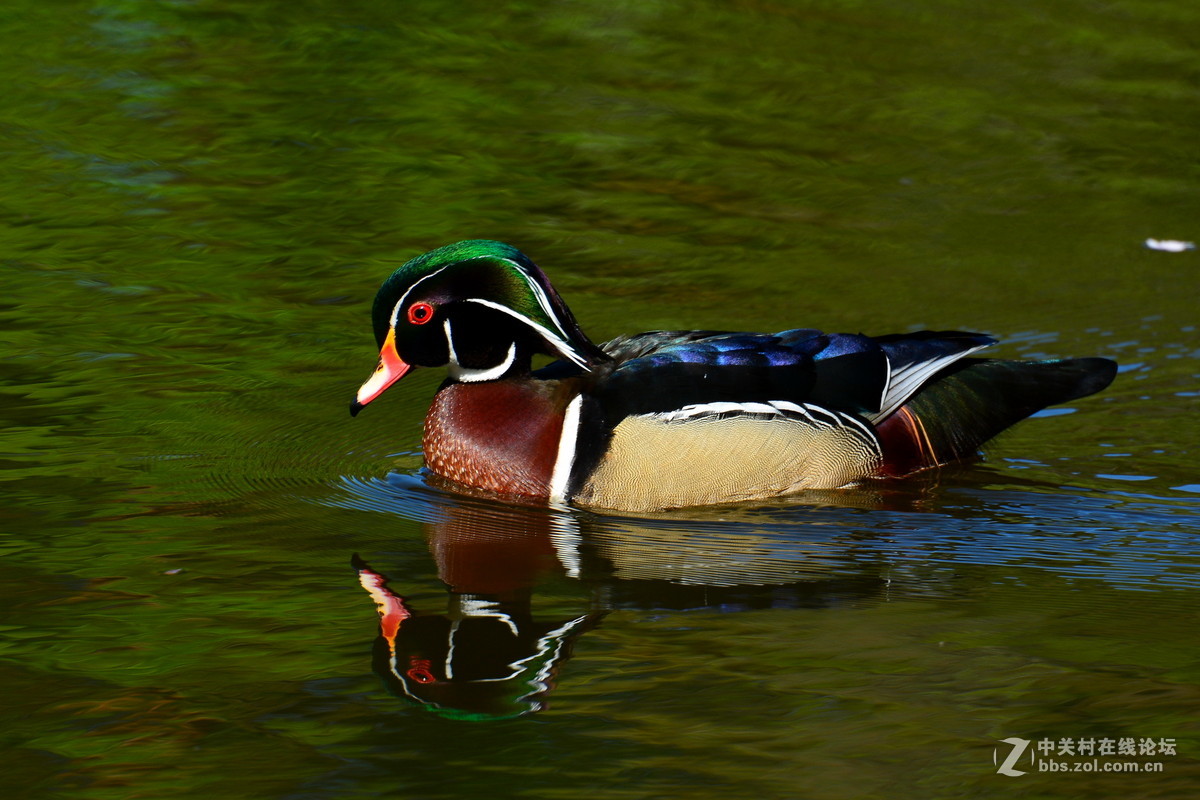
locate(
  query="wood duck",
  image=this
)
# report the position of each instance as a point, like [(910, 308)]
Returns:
[(669, 419)]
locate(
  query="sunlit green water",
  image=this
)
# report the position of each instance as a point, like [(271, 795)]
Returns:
[(199, 200)]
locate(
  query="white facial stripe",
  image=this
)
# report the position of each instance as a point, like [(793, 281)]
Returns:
[(469, 375), (561, 346), (453, 356), (448, 666), (566, 451), (481, 607), (552, 643), (403, 297), (540, 294)]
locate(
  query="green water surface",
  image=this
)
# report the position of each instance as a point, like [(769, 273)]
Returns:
[(198, 199)]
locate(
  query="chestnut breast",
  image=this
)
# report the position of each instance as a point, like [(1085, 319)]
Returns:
[(499, 436)]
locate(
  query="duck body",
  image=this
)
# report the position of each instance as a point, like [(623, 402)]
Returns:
[(669, 419)]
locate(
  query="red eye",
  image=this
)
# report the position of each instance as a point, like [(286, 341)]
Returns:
[(421, 675), (419, 671), (420, 313)]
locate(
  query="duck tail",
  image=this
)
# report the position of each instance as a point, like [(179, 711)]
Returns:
[(974, 399)]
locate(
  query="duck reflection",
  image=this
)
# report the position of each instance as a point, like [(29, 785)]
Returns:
[(524, 584), (491, 654), (486, 658)]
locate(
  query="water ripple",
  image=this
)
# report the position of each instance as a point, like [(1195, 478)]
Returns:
[(1131, 542)]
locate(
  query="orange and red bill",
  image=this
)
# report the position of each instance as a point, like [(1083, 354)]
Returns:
[(391, 369)]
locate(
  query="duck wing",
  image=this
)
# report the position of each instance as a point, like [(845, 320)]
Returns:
[(664, 371)]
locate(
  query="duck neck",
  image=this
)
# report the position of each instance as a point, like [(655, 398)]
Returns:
[(501, 436)]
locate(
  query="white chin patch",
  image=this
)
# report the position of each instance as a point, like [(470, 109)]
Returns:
[(469, 374)]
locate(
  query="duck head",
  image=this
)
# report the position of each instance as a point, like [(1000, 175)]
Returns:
[(480, 308)]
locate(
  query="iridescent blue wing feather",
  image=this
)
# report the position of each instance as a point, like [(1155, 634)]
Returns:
[(845, 372), (685, 368)]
